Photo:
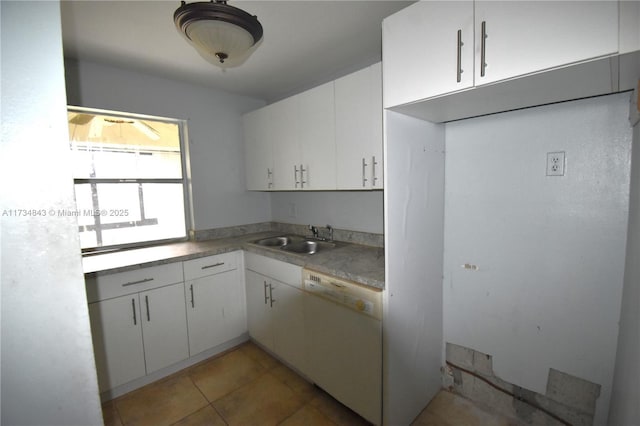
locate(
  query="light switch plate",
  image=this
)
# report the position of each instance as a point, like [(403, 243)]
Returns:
[(555, 163)]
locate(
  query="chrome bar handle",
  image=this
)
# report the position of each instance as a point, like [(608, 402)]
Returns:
[(145, 280), (265, 293), (146, 301), (459, 71), (271, 295), (213, 266), (373, 171), (133, 307), (269, 178), (295, 175), (483, 48), (364, 174), (193, 305), (302, 181)]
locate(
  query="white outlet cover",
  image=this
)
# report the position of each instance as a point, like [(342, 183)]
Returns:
[(556, 163)]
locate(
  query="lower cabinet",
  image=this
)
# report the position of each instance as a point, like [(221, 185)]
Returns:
[(215, 301), (275, 309), (335, 346), (117, 340), (138, 334), (151, 318), (164, 327), (259, 313)]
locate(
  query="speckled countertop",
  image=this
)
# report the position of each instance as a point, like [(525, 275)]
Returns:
[(359, 263)]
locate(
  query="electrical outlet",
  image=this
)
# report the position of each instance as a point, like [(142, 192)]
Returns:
[(293, 212), (555, 163)]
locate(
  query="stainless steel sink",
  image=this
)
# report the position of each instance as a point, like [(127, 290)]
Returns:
[(308, 246), (279, 241), (274, 241), (295, 244)]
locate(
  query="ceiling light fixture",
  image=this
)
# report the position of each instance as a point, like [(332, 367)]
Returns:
[(222, 34)]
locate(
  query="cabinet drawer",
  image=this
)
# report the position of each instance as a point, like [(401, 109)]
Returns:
[(121, 283), (276, 269), (210, 265)]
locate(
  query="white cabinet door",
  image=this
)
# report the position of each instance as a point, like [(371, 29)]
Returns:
[(117, 340), (304, 140), (421, 52), (523, 37), (164, 326), (316, 134), (377, 166), (358, 107), (259, 309), (275, 310), (258, 149), (286, 146), (215, 310), (288, 323)]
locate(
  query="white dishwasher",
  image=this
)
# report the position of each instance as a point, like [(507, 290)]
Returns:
[(343, 321)]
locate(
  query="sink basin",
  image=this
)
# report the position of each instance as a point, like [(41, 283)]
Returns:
[(279, 241), (308, 246), (274, 241), (295, 244)]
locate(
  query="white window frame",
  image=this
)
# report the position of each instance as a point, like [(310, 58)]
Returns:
[(185, 180)]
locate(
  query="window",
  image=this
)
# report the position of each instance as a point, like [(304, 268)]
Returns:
[(130, 178)]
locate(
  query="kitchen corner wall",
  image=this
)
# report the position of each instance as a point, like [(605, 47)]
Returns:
[(353, 210), (534, 264), (626, 393), (48, 368), (214, 129)]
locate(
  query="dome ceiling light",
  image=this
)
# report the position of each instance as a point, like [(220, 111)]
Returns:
[(222, 34)]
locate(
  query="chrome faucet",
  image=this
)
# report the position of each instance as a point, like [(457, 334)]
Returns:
[(330, 230), (328, 236)]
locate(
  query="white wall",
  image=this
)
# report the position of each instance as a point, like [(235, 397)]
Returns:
[(353, 210), (550, 251), (625, 409), (215, 134), (48, 370)]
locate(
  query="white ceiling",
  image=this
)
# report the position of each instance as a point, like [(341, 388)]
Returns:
[(305, 42)]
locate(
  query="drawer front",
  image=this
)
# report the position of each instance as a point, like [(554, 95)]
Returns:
[(210, 265), (121, 283), (276, 269)]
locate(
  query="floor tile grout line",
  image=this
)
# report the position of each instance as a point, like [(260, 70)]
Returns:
[(210, 403), (224, 419), (307, 404), (262, 373), (115, 407)]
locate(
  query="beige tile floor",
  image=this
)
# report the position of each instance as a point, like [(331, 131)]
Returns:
[(246, 386)]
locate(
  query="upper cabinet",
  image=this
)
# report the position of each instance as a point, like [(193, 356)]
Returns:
[(517, 38), (316, 137), (427, 50), (290, 145), (282, 134), (326, 138), (442, 60), (258, 146), (358, 106)]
